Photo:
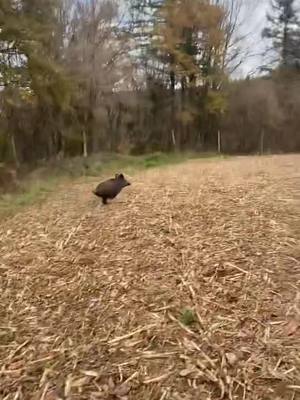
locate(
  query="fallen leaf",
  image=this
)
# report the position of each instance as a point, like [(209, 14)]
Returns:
[(80, 382), (93, 374), (122, 390), (231, 358), (68, 385), (292, 327), (245, 333), (111, 383), (186, 372), (16, 365), (52, 395)]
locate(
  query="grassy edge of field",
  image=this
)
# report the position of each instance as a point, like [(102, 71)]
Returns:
[(45, 179)]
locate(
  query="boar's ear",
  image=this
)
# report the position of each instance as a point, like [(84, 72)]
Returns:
[(116, 176), (121, 176)]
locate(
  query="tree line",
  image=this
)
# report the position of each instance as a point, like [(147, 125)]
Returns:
[(83, 76)]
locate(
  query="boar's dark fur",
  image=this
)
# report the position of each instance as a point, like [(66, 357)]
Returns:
[(111, 188)]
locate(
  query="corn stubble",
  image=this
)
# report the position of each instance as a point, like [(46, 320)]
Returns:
[(92, 299)]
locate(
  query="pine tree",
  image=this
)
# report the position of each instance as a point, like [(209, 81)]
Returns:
[(143, 18), (29, 71), (284, 32)]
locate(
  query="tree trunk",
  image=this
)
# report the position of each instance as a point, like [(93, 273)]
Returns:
[(84, 141), (14, 150), (173, 138), (219, 142), (261, 142)]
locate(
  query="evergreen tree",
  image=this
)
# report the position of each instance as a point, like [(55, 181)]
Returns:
[(143, 18), (284, 31), (27, 48), (29, 71)]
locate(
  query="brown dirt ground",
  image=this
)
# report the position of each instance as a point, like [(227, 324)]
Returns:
[(92, 297)]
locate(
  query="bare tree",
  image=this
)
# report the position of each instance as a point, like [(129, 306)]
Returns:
[(236, 50), (97, 55)]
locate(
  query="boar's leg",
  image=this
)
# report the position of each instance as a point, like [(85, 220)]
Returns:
[(104, 199)]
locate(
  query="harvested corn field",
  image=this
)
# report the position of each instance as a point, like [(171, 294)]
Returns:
[(185, 287)]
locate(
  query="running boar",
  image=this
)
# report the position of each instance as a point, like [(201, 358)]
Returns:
[(111, 188)]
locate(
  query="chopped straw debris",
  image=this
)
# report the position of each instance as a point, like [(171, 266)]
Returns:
[(185, 287)]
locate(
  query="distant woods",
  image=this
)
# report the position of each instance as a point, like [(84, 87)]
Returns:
[(80, 77)]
